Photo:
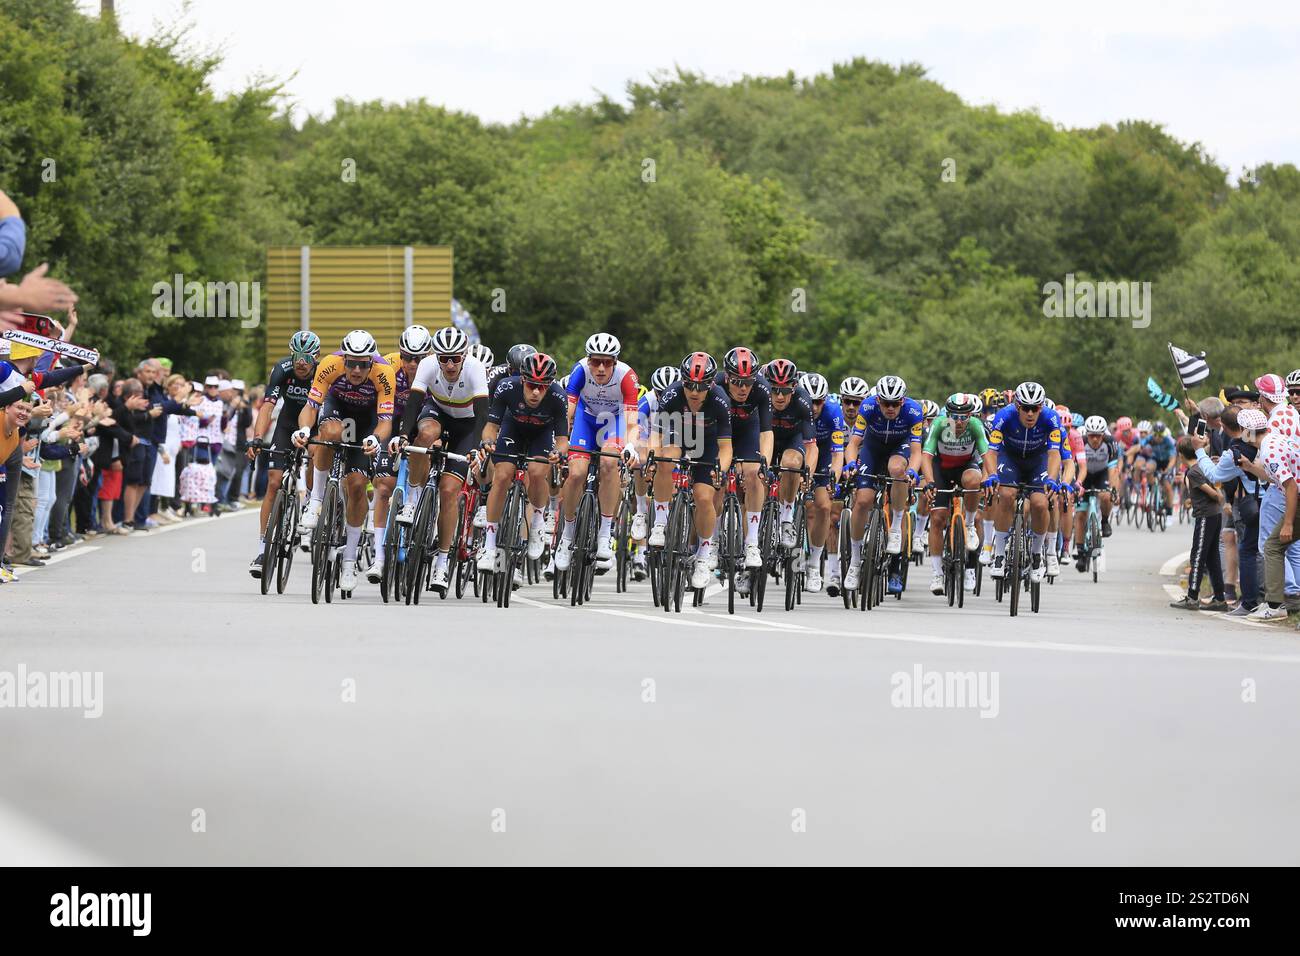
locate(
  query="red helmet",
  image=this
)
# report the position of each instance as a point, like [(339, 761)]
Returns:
[(782, 373), (1123, 423), (700, 368), (538, 368), (740, 362)]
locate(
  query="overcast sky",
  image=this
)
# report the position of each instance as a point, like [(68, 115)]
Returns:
[(1226, 74)]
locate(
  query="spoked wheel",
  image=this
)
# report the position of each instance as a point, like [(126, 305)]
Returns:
[(653, 566), (767, 530)]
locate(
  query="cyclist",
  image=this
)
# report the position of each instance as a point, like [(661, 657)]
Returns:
[(751, 438), (413, 345), (513, 364), (1156, 450), (853, 391), (352, 394), (694, 421), (794, 439), (885, 433), (1101, 457), (602, 416), (1293, 388), (647, 406), (957, 438), (288, 387), (448, 402), (829, 427), (1027, 440), (529, 416), (1061, 509), (993, 400)]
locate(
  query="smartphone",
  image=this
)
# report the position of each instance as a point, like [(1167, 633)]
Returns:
[(1194, 423), (1200, 429)]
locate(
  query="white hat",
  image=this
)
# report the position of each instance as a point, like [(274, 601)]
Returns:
[(212, 380), (1252, 420), (197, 386), (237, 384), (223, 384)]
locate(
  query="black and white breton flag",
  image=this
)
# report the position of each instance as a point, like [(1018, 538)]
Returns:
[(1191, 368)]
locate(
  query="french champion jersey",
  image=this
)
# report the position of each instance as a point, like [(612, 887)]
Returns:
[(604, 402), (952, 449)]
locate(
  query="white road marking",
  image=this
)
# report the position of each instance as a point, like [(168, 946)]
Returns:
[(64, 555), (1174, 564)]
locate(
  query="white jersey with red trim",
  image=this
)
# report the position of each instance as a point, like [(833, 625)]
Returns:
[(604, 402)]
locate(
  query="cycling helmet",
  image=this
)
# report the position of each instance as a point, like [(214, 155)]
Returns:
[(699, 368), (602, 343), (782, 373), (517, 355), (483, 354), (1144, 426), (1077, 419), (1159, 428), (305, 343), (358, 344), (871, 393), (854, 387), (1293, 378), (416, 340), (740, 362), (979, 406), (1048, 403), (960, 403), (1030, 393), (564, 383), (1095, 425), (664, 376), (450, 341), (539, 368), (891, 388), (1121, 423), (1062, 412), (815, 385), (993, 399), (929, 409)]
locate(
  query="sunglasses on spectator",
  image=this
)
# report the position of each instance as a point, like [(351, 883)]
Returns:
[(602, 362), (782, 390), (696, 386), (884, 404), (450, 359), (356, 363)]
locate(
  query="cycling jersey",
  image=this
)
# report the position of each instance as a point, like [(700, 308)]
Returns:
[(1161, 449), (697, 433), (496, 375), (510, 405), (792, 427), (873, 426), (1009, 436), (402, 386), (602, 411), (452, 399), (953, 450), (1102, 458), (757, 406), (286, 387), (829, 428), (376, 390)]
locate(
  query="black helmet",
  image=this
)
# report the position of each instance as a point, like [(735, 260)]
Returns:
[(517, 355)]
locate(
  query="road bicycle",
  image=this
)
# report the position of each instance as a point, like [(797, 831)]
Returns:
[(512, 534), (874, 571), (956, 559), (1018, 561), (329, 537), (281, 539), (1092, 544), (422, 536), (671, 565), (582, 568)]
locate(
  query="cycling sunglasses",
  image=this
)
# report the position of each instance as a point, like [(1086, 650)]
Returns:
[(884, 404), (740, 382), (450, 359), (958, 418), (697, 386), (536, 386), (1030, 409), (357, 363), (602, 362), (304, 356), (1293, 391), (782, 390), (408, 357)]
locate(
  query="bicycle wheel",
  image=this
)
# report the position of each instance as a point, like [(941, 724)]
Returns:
[(288, 540), (578, 551), (846, 555), (870, 567), (622, 545), (417, 547), (271, 544), (731, 549), (954, 566), (331, 517), (392, 530), (1015, 544), (668, 555)]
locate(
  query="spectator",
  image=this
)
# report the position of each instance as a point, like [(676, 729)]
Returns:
[(13, 423), (1207, 513), (1278, 463), (1243, 490), (161, 409), (13, 236), (21, 531)]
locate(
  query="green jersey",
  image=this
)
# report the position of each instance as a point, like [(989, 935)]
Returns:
[(953, 450)]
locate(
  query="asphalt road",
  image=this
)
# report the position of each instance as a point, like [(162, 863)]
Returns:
[(1121, 731)]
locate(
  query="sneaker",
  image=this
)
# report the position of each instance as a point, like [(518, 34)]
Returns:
[(936, 583), (255, 567), (851, 577), (895, 545), (7, 576), (638, 567), (376, 571), (310, 516), (700, 575), (713, 557), (1036, 569), (969, 583), (972, 538), (1239, 611), (812, 582), (1216, 606), (999, 567), (638, 527), (1081, 564), (563, 555), (438, 579), (604, 550), (895, 585), (348, 576), (707, 556), (536, 542), (658, 534), (487, 561), (1266, 613), (1186, 604), (753, 556), (788, 539), (1053, 565), (480, 517), (986, 555)]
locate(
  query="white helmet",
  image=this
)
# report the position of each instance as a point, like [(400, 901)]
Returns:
[(450, 341), (979, 405), (664, 376), (1048, 403), (483, 354), (929, 409), (854, 387), (416, 340), (1144, 426), (358, 344), (891, 388), (564, 382), (1094, 425), (1293, 378), (602, 343), (815, 385), (1030, 393)]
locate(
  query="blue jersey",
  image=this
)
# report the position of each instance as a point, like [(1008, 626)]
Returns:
[(1161, 449), (876, 428), (830, 430), (1009, 435)]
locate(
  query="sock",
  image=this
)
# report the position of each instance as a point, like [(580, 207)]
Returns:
[(440, 560), (937, 561), (380, 534), (897, 524), (319, 477), (414, 499), (704, 543), (1036, 542), (641, 507), (606, 522), (855, 548), (833, 564), (1000, 542), (538, 519), (751, 529), (350, 548), (988, 530), (970, 526), (661, 513), (555, 504), (815, 553), (490, 540), (787, 511), (570, 528)]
